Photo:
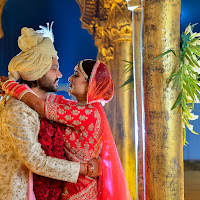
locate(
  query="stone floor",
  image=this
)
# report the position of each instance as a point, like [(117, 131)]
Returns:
[(192, 180)]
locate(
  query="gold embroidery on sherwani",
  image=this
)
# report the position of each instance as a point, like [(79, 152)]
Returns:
[(20, 150)]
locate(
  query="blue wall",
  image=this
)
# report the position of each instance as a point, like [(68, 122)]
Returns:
[(72, 42), (192, 150)]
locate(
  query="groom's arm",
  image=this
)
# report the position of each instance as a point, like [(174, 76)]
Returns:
[(22, 123)]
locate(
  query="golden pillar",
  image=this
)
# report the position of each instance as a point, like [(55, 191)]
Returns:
[(139, 109), (2, 3), (135, 7), (109, 21), (163, 126)]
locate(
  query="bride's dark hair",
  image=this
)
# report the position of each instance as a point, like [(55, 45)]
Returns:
[(87, 66)]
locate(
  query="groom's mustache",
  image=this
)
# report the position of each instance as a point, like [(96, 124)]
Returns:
[(56, 80)]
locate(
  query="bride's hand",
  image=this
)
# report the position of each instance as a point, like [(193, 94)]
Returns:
[(2, 80), (96, 167)]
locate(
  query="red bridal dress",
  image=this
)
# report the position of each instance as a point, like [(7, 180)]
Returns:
[(87, 135)]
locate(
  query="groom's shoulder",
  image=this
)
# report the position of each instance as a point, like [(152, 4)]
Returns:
[(18, 107)]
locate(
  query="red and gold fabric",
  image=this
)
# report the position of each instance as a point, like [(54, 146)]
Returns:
[(82, 140), (20, 151), (88, 131)]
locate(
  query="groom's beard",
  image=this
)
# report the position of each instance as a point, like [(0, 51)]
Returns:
[(47, 85)]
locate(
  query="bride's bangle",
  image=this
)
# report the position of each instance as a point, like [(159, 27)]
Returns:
[(90, 169), (85, 169), (14, 89)]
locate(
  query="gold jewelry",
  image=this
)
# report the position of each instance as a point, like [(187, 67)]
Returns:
[(81, 69), (70, 90), (85, 169), (90, 169)]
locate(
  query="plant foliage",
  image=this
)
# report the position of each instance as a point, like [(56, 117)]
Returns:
[(127, 68), (186, 77)]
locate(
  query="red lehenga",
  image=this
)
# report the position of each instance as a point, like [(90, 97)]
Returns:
[(88, 135)]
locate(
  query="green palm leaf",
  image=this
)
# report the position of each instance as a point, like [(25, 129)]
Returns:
[(194, 51), (128, 67), (128, 81), (165, 53), (178, 100)]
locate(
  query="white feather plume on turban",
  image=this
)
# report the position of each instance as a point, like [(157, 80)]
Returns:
[(35, 58)]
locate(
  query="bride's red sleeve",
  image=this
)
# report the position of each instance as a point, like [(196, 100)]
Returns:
[(79, 117)]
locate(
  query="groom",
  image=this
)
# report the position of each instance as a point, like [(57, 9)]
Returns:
[(20, 150)]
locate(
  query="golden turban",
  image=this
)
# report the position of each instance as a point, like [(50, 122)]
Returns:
[(35, 58)]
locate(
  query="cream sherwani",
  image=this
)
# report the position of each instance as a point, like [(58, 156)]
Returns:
[(21, 151)]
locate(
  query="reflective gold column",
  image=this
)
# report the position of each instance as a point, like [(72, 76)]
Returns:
[(135, 7), (138, 82), (2, 3), (111, 27), (164, 146), (114, 42)]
